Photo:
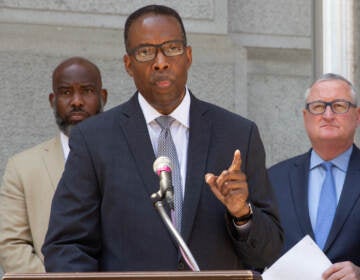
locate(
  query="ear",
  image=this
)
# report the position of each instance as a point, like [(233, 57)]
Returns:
[(103, 94), (52, 100), (304, 111), (189, 56), (358, 116), (128, 64)]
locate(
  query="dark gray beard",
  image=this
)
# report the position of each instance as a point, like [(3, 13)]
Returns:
[(65, 126)]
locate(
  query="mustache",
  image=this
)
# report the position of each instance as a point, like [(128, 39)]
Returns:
[(77, 110)]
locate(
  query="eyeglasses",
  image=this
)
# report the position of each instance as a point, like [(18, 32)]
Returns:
[(338, 106), (148, 52)]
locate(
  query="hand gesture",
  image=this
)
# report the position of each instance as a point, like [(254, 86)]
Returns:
[(231, 188)]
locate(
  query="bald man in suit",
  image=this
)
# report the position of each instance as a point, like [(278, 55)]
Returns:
[(31, 177)]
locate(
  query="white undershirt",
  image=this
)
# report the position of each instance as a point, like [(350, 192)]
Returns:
[(179, 129)]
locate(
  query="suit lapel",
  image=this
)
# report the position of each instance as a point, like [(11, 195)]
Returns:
[(135, 130), (299, 190), (133, 125), (53, 157), (349, 195), (199, 139)]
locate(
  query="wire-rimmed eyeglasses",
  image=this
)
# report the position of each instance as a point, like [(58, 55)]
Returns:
[(338, 106), (148, 52)]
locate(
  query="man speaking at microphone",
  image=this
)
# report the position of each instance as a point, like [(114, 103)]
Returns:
[(102, 217)]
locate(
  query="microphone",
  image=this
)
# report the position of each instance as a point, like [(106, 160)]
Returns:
[(162, 167)]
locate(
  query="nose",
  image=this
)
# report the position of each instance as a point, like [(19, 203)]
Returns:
[(328, 112), (160, 61), (77, 101)]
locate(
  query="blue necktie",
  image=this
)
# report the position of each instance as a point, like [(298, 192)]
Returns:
[(327, 206), (167, 148)]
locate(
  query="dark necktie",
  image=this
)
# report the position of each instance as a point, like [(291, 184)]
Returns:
[(327, 206), (166, 147)]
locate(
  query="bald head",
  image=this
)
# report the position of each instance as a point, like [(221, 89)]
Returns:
[(77, 61), (77, 92)]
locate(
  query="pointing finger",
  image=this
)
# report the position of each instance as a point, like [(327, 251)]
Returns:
[(236, 163)]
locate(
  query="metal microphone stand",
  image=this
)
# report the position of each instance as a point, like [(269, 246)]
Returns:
[(157, 201)]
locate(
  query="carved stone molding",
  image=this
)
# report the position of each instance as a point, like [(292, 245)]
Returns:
[(201, 16)]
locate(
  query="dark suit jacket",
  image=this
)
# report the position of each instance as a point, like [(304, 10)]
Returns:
[(290, 182), (102, 217)]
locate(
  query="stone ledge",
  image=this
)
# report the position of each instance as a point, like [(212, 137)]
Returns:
[(272, 41), (202, 16)]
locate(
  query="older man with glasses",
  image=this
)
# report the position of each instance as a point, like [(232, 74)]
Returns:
[(319, 192)]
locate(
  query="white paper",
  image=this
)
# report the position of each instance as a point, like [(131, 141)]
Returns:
[(303, 261)]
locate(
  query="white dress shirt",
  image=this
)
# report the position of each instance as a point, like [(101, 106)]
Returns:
[(65, 145), (179, 129)]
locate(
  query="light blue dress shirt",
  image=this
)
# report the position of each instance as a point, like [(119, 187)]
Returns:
[(317, 177)]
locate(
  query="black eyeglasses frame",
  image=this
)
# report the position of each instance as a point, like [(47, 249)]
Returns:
[(349, 105), (157, 46)]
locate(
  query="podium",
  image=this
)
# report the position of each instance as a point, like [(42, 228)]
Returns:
[(186, 275)]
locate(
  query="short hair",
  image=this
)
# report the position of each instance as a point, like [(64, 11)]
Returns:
[(333, 77), (152, 9)]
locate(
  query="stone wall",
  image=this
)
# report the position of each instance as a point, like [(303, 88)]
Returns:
[(251, 57)]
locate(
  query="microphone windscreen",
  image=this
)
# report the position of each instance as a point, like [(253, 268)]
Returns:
[(162, 163)]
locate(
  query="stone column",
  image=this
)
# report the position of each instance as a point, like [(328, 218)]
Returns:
[(333, 37)]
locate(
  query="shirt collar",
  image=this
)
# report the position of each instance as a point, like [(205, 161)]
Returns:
[(341, 161), (181, 112), (65, 144)]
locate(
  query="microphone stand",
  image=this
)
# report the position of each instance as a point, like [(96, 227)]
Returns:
[(189, 258)]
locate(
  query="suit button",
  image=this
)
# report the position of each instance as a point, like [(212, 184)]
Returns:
[(181, 266)]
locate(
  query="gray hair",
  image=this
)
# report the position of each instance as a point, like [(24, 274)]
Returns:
[(332, 77)]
